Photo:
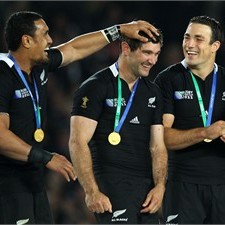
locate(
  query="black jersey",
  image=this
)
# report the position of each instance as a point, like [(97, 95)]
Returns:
[(202, 163), (97, 99), (16, 176)]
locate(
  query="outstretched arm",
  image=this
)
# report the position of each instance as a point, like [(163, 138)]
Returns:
[(87, 44)]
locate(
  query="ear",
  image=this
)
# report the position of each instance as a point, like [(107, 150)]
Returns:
[(26, 41), (125, 48), (215, 46)]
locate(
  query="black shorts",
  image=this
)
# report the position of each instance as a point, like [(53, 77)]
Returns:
[(24, 206), (186, 203), (127, 194)]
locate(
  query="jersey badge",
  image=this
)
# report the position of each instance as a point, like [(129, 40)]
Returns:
[(22, 93), (84, 103), (151, 102), (179, 95), (117, 214)]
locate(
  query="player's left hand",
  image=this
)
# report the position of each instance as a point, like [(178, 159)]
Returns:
[(154, 199)]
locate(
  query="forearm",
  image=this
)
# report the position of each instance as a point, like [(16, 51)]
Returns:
[(180, 139), (82, 162), (87, 44), (13, 147), (82, 46), (159, 165)]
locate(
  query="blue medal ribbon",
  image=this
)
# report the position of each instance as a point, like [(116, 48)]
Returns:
[(119, 103), (36, 106), (206, 119)]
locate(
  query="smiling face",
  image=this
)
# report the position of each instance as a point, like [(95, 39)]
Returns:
[(39, 43), (144, 58), (197, 47)]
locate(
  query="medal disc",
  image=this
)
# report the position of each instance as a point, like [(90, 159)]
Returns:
[(114, 138), (39, 135), (207, 140)]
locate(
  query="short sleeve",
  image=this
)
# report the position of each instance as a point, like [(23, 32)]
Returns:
[(163, 80), (6, 87), (88, 100)]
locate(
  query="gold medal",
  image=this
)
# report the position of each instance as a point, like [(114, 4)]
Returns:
[(207, 140), (39, 135), (114, 138)]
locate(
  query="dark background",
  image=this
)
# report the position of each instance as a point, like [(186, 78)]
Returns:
[(68, 19)]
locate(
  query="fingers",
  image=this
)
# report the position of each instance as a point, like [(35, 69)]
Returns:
[(69, 170), (149, 29), (99, 203), (132, 30), (103, 207), (66, 169), (222, 138), (150, 204), (61, 165)]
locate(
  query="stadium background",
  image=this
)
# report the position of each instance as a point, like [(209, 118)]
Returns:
[(71, 18)]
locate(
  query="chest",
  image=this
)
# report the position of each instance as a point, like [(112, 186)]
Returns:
[(187, 102), (27, 92), (138, 110)]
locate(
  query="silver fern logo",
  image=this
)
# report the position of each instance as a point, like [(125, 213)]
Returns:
[(150, 102), (42, 77), (21, 222), (170, 218), (118, 213)]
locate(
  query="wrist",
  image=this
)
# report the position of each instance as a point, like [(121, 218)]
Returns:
[(202, 133), (37, 155), (91, 189), (112, 33)]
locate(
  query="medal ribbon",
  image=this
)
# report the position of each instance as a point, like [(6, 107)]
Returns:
[(206, 119), (36, 106), (118, 123)]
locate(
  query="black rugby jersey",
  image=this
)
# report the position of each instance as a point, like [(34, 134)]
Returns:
[(202, 163), (97, 99), (16, 176)]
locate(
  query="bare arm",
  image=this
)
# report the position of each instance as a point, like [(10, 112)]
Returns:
[(11, 145), (179, 139), (158, 150), (159, 155), (81, 132), (14, 147), (87, 44)]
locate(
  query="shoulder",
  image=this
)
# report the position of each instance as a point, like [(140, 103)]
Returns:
[(98, 83), (151, 85), (55, 59), (6, 70), (173, 69), (102, 77), (221, 69), (170, 73)]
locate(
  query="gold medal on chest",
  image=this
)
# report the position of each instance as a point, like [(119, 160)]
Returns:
[(114, 138), (39, 135)]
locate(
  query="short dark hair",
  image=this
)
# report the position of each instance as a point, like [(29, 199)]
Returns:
[(217, 30), (17, 25), (135, 44)]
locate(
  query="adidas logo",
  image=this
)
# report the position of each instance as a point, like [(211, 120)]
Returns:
[(135, 120)]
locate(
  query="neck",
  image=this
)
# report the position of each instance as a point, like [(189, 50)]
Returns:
[(22, 60), (126, 74), (203, 72)]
